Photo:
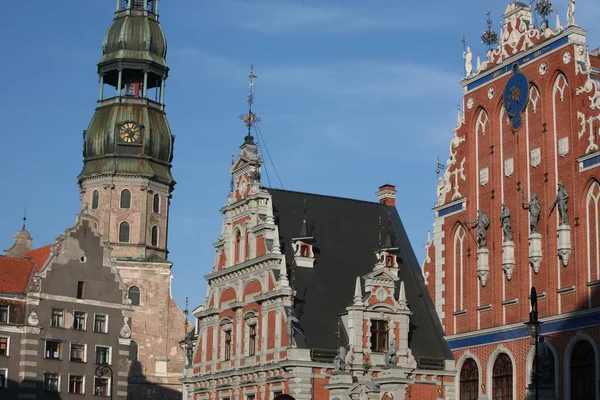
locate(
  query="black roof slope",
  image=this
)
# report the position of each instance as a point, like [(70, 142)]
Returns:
[(346, 235)]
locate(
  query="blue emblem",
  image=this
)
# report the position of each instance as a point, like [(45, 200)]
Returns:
[(516, 97)]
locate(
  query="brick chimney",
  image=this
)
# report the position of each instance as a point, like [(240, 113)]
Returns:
[(387, 195)]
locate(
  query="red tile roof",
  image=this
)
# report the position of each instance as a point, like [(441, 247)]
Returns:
[(38, 256), (14, 274)]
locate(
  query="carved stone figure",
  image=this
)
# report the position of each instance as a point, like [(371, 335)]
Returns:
[(571, 13), (391, 358), (481, 223), (349, 360), (506, 225), (292, 321), (561, 200), (339, 362), (534, 212), (468, 56)]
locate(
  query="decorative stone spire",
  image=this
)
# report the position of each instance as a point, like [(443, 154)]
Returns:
[(402, 296), (558, 25), (283, 276), (358, 301), (23, 241)]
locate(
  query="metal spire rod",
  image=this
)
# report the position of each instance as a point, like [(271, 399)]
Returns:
[(250, 119), (24, 217)]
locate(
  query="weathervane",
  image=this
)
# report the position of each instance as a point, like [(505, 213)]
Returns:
[(250, 119), (489, 37), (24, 217), (543, 8)]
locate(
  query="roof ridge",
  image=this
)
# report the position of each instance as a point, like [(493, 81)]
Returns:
[(324, 195)]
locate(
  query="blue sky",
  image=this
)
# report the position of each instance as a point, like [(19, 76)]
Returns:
[(353, 94)]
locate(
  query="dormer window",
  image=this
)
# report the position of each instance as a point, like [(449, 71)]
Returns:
[(379, 336), (389, 261), (304, 250)]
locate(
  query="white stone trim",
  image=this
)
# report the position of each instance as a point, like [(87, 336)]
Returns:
[(591, 197), (490, 368), (567, 363)]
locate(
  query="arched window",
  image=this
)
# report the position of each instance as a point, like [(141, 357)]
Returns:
[(459, 268), (133, 351), (134, 295), (154, 235), (482, 122), (304, 251), (124, 232), (502, 378), (593, 232), (238, 247), (156, 203), (469, 380), (95, 195), (125, 198), (583, 366)]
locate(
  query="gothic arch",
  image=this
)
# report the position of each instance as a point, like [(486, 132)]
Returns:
[(500, 349), (560, 83), (459, 264), (567, 363), (534, 98), (592, 229), (529, 364), (222, 292), (482, 123), (459, 364)]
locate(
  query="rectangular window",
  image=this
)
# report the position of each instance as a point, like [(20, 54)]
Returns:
[(52, 349), (101, 386), (78, 352), (58, 318), (100, 324), (3, 378), (102, 355), (252, 340), (227, 345), (3, 346), (79, 320), (276, 393), (51, 382), (4, 314), (80, 290), (76, 384), (250, 397), (379, 336)]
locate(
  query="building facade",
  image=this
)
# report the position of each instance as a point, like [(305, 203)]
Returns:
[(314, 296), (517, 207), (64, 320)]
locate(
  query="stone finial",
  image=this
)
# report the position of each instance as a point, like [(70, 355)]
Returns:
[(358, 301), (558, 25), (283, 276), (402, 297)]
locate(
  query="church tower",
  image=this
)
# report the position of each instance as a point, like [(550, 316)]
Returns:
[(126, 183)]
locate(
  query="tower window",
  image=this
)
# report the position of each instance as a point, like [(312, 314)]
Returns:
[(238, 247), (125, 198), (227, 345), (379, 336), (154, 239), (95, 195), (156, 203), (134, 295), (252, 340), (133, 351), (124, 232)]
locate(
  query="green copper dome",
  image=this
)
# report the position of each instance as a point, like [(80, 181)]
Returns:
[(135, 35)]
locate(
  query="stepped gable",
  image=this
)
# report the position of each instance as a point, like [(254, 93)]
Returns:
[(345, 235)]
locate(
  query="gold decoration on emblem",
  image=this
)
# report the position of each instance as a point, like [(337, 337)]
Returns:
[(129, 132)]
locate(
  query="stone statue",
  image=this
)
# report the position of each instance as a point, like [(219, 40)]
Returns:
[(349, 357), (391, 358), (561, 200), (506, 226), (189, 348), (468, 56), (292, 321), (481, 223), (339, 362), (534, 212), (571, 13)]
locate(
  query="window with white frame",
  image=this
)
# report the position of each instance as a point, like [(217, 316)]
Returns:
[(76, 384), (101, 323), (51, 382), (77, 352), (3, 378), (103, 355), (52, 350), (227, 348), (4, 345), (101, 386), (251, 334), (226, 339), (79, 318), (4, 313), (58, 318)]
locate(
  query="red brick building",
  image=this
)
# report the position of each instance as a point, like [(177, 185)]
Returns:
[(315, 296), (522, 172)]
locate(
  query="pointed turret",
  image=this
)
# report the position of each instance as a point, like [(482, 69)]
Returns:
[(358, 300), (23, 242)]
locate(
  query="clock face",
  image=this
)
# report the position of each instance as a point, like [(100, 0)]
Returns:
[(129, 132)]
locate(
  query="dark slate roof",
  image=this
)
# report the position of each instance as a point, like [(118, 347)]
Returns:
[(346, 235)]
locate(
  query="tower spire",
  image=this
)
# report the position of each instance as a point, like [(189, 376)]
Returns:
[(24, 218), (250, 119)]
